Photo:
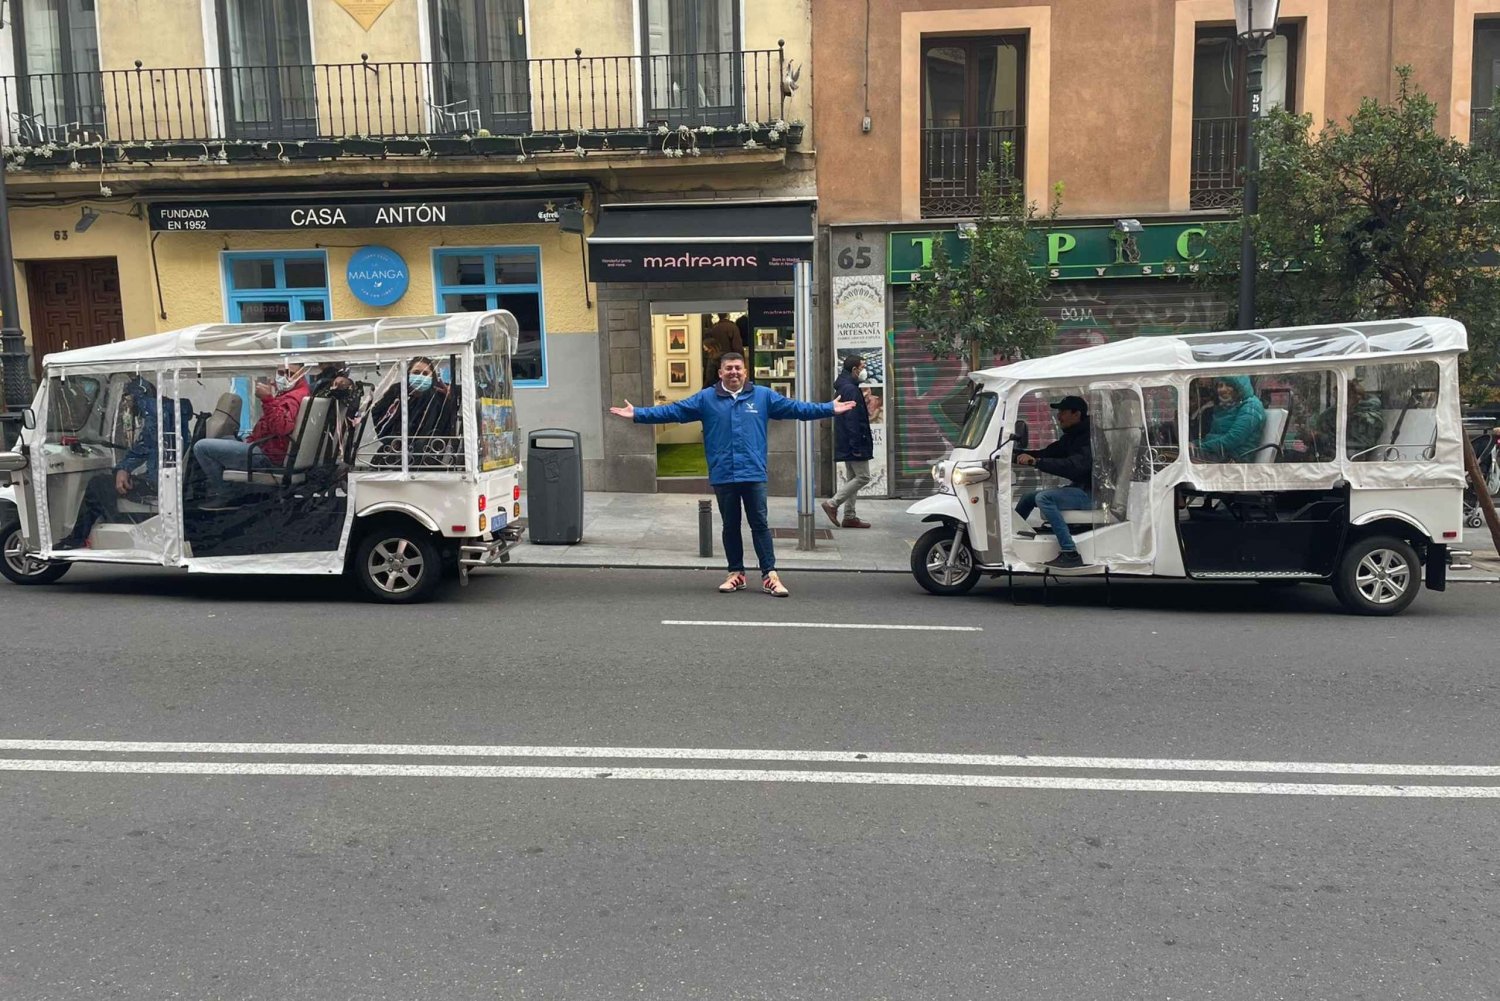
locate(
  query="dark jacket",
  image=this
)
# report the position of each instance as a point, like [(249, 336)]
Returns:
[(142, 451), (1071, 456), (852, 439), (432, 412), (734, 426)]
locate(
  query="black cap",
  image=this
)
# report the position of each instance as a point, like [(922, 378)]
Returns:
[(1077, 403)]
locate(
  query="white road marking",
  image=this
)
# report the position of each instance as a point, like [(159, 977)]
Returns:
[(1040, 782), (747, 754), (821, 625)]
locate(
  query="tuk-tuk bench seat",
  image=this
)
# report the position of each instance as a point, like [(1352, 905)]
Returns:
[(303, 451), (1091, 518)]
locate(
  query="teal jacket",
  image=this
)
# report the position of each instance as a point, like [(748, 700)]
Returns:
[(1236, 428)]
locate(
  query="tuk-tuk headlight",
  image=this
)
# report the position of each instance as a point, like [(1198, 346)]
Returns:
[(940, 478)]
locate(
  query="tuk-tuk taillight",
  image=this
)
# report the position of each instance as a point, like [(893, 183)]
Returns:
[(482, 501), (516, 492)]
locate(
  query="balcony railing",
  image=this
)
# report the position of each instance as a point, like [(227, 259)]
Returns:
[(953, 159), (1218, 153), (390, 100)]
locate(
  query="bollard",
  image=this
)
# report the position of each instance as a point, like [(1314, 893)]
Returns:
[(705, 528)]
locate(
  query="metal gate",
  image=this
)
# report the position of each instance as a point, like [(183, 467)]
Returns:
[(930, 396)]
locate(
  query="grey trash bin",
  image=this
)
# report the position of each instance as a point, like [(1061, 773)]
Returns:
[(554, 487)]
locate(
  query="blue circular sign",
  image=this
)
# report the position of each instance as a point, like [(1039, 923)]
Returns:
[(378, 276)]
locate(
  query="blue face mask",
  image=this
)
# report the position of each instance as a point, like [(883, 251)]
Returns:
[(419, 383)]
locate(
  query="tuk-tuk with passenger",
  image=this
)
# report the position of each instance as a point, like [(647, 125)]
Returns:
[(1328, 454), (386, 449)]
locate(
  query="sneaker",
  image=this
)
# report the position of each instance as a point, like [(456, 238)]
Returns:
[(734, 582), (855, 523), (832, 512), (63, 545), (1068, 559), (771, 584)]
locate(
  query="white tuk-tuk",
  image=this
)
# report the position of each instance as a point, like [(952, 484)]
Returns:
[(395, 455), (1330, 454)]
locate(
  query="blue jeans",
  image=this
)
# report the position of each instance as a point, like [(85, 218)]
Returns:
[(218, 454), (752, 497), (1052, 504)]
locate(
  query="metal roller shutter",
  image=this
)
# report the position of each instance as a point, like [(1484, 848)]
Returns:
[(931, 396)]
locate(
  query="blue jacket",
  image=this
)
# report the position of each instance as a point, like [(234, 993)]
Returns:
[(143, 449), (1235, 430), (852, 438), (734, 427)]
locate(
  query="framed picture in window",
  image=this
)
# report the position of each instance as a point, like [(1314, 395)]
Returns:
[(677, 340), (677, 374)]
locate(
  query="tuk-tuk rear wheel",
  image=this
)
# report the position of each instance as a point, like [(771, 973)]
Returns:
[(929, 563), (1378, 575), (19, 568), (398, 564)]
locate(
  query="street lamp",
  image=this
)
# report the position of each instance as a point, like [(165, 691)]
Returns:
[(1254, 23)]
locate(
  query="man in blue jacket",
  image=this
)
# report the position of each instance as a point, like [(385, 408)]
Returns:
[(735, 417)]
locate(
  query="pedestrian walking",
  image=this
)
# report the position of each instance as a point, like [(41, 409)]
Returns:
[(736, 415), (853, 445)]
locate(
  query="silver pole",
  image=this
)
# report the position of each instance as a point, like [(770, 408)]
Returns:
[(802, 329)]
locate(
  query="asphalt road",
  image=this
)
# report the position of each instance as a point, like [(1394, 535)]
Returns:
[(557, 835)]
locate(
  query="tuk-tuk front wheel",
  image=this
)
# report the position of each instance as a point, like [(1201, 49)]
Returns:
[(20, 568), (1379, 575), (931, 566), (398, 563)]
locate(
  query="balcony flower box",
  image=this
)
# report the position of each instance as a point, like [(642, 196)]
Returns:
[(360, 146), (404, 147), (450, 146), (496, 145)]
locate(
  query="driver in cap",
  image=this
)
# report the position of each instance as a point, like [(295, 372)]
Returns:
[(1071, 456)]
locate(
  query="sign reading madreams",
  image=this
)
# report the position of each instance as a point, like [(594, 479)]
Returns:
[(695, 262), (392, 213)]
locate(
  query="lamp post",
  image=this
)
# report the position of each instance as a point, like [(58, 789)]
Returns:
[(1254, 23)]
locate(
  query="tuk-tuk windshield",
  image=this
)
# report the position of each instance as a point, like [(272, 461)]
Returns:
[(977, 420)]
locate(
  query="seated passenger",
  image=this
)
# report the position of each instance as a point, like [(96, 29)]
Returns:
[(1237, 419), (1071, 457), (430, 406), (102, 493), (269, 440), (1364, 427)]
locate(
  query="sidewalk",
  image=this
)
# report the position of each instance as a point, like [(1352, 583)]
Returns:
[(661, 530)]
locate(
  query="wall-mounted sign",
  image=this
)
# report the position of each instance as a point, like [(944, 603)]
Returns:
[(377, 276), (1069, 252), (366, 12), (334, 214), (695, 262)]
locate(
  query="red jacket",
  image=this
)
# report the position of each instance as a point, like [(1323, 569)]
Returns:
[(278, 419)]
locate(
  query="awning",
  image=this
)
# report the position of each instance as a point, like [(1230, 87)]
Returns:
[(731, 241)]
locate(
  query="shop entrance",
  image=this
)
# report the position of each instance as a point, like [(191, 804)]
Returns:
[(74, 304), (687, 338)]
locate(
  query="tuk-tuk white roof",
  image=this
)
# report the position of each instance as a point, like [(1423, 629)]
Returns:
[(1240, 349), (388, 335)]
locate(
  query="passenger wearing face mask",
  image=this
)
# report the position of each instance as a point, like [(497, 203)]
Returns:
[(430, 406), (267, 445)]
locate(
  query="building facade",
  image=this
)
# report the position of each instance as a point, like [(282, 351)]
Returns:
[(173, 162), (1136, 107)]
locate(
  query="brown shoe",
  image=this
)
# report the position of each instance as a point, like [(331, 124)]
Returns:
[(855, 523), (832, 512)]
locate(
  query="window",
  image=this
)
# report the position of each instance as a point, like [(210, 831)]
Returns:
[(972, 111), (692, 61), (1220, 109), (266, 50), (1254, 419), (60, 92), (499, 278), (70, 403), (480, 73), (276, 287), (1486, 76), (1390, 413)]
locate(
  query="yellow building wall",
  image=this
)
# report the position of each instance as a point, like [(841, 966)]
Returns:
[(193, 284)]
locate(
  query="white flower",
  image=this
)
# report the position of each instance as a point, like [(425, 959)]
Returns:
[(580, 152), (105, 190), (751, 144), (773, 135), (683, 129), (202, 157), (661, 130), (520, 157), (708, 130), (695, 151), (75, 165)]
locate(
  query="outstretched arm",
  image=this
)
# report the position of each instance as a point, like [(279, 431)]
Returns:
[(681, 412), (783, 409)]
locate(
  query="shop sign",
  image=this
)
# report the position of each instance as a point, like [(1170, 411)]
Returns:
[(1069, 252), (381, 214), (695, 262), (377, 276)]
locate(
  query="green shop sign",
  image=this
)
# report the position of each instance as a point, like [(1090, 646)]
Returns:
[(1071, 252)]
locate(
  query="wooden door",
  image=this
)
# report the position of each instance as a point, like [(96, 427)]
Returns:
[(74, 304)]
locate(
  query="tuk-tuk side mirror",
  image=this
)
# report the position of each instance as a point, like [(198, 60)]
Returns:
[(1022, 436), (28, 418)]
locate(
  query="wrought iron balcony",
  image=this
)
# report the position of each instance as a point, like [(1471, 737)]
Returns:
[(1218, 154), (523, 107), (953, 159)]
